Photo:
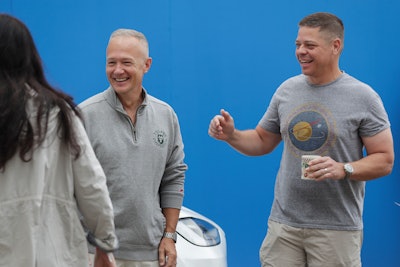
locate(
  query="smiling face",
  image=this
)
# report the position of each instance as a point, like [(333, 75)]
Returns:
[(127, 61), (318, 54)]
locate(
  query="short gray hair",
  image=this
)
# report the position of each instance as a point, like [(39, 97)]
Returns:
[(132, 33)]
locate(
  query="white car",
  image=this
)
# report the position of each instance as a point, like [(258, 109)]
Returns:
[(200, 241)]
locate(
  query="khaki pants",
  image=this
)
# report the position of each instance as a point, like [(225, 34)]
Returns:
[(126, 263), (286, 246)]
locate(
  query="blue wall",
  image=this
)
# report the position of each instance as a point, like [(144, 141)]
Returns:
[(228, 54)]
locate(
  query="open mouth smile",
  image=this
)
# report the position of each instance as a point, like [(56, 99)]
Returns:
[(120, 79)]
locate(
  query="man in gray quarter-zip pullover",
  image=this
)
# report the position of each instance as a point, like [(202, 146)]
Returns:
[(137, 140)]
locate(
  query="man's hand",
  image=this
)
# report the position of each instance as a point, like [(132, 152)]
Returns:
[(167, 253), (104, 259), (221, 126), (323, 168)]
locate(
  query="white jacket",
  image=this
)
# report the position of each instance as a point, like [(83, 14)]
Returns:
[(43, 201)]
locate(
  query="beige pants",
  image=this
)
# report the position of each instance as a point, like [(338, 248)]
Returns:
[(298, 247), (126, 263)]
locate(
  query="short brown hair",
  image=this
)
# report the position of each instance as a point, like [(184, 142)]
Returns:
[(327, 22)]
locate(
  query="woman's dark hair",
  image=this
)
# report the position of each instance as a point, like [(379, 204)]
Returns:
[(20, 68)]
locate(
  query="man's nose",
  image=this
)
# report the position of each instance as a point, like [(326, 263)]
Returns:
[(119, 68)]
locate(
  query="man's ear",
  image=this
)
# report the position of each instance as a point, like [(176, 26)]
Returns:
[(337, 46), (148, 62)]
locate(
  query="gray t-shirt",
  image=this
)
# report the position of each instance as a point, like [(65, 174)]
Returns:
[(327, 120)]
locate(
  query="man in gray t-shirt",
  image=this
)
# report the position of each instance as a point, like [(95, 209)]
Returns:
[(326, 112)]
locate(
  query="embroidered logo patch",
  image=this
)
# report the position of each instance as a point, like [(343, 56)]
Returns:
[(160, 138)]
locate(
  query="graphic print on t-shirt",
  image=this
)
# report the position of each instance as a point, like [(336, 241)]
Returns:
[(310, 129)]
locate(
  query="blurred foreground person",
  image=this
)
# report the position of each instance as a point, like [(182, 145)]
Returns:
[(49, 174)]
